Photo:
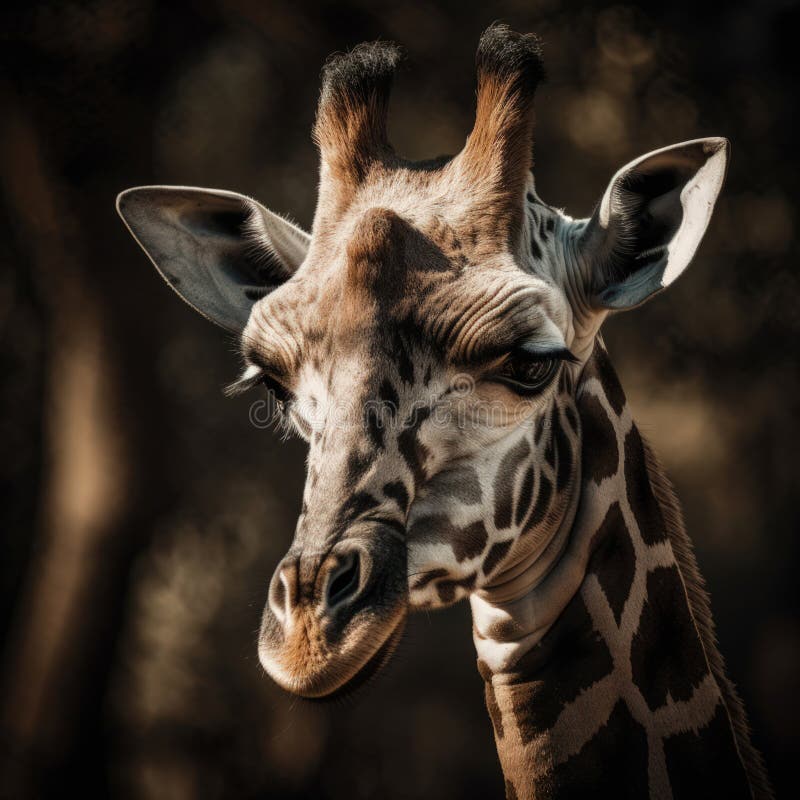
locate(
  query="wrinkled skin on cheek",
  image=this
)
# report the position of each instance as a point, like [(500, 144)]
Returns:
[(500, 496)]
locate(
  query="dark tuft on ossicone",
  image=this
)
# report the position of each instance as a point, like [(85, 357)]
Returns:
[(368, 68), (499, 151), (511, 56), (351, 117)]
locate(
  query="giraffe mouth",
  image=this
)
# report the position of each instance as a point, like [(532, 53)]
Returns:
[(329, 636), (370, 669), (330, 674)]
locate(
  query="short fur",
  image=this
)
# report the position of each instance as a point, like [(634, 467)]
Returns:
[(700, 605), (428, 340), (351, 118), (498, 153)]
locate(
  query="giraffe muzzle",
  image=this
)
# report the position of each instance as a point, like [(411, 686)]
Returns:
[(334, 586), (332, 618)]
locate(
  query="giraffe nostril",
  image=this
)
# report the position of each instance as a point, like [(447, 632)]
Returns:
[(345, 580), (283, 591)]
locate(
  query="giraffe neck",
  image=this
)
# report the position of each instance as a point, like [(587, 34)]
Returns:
[(598, 679)]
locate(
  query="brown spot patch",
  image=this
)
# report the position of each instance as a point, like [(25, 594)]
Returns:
[(611, 764), (375, 257), (402, 358), (496, 554), (525, 496), (411, 449), (569, 659), (550, 448), (646, 508), (599, 366), (483, 670), (374, 428), (396, 490), (461, 484), (542, 504), (357, 505), (705, 763), (599, 451), (504, 482), (468, 542), (494, 710), (667, 657), (614, 560), (572, 418), (388, 396), (563, 448), (447, 588)]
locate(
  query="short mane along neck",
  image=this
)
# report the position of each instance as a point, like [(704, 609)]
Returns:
[(604, 679), (426, 339)]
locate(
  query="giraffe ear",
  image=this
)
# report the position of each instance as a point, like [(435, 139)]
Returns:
[(651, 221), (220, 251)]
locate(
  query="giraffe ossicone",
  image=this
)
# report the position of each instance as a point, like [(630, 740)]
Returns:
[(436, 341)]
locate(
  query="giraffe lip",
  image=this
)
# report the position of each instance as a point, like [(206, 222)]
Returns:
[(315, 649), (370, 669)]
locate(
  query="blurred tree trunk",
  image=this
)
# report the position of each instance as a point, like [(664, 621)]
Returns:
[(103, 475), (23, 325), (53, 642)]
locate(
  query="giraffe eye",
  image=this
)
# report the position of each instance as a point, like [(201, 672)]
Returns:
[(525, 374), (281, 394)]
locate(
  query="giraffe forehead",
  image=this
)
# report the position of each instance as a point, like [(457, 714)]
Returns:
[(438, 223), (420, 272), (448, 320)]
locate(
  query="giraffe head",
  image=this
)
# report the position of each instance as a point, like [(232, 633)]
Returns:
[(425, 341)]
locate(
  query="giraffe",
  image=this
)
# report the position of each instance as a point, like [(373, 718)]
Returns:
[(436, 340)]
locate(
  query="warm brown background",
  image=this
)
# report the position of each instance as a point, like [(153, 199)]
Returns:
[(143, 514)]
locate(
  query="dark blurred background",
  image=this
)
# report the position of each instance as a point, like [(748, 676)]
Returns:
[(143, 514)]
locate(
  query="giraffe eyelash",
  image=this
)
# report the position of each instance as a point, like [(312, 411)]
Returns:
[(254, 375), (530, 371), (280, 418), (283, 397), (281, 401), (251, 377)]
